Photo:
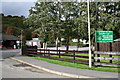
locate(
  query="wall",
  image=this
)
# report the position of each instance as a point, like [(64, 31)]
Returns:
[(108, 47)]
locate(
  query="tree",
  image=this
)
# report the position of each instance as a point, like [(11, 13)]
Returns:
[(41, 17), (80, 23), (104, 16), (13, 25), (54, 20)]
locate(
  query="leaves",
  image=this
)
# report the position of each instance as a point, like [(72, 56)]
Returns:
[(69, 19)]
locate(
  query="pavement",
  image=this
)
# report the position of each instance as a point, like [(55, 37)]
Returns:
[(64, 70)]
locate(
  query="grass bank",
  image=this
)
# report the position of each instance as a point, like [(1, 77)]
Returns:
[(76, 65)]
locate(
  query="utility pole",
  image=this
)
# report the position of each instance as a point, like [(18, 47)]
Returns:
[(21, 39)]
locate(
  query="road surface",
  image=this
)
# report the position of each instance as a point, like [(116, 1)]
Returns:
[(13, 69)]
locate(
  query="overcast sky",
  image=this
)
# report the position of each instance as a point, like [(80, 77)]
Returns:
[(16, 8)]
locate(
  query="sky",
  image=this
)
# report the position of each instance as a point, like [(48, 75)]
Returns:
[(16, 7)]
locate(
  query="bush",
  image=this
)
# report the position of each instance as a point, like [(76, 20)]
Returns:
[(76, 43), (52, 44)]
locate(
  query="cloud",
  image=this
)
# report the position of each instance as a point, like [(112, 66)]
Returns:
[(0, 7), (17, 8), (18, 0)]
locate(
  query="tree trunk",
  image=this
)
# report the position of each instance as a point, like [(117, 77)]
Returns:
[(43, 45), (57, 43), (59, 40), (78, 44), (46, 45), (67, 44)]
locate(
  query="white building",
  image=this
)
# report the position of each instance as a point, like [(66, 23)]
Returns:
[(84, 41), (34, 42)]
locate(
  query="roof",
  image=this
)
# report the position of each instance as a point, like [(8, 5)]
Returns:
[(34, 41), (8, 37), (117, 39)]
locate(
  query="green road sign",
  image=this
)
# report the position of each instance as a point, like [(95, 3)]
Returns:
[(104, 36)]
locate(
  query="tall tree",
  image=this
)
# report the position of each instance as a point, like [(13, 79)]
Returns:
[(104, 16)]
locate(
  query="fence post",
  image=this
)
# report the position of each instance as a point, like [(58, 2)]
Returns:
[(49, 52), (110, 60), (24, 50), (93, 58), (98, 55), (110, 51), (59, 53), (74, 54), (40, 51), (44, 52), (98, 49)]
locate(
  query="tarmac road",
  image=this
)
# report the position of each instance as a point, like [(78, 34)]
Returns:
[(13, 69)]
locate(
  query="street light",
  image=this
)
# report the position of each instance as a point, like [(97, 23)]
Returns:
[(21, 39), (90, 56)]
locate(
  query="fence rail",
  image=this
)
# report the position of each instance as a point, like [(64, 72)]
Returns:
[(71, 55), (107, 58), (98, 58), (60, 50)]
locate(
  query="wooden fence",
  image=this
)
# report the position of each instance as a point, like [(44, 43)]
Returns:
[(98, 58), (71, 55), (108, 47), (106, 58)]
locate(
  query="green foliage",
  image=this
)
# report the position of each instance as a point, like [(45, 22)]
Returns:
[(58, 20), (69, 19), (105, 16), (16, 23), (13, 22), (27, 33), (75, 43)]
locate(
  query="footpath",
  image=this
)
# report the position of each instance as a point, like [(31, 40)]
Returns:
[(64, 70)]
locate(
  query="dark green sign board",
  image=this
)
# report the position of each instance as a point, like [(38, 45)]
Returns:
[(104, 36)]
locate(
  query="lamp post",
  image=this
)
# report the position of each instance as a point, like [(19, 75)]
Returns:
[(21, 39), (90, 56)]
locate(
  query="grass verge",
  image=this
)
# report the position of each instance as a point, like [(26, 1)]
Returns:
[(76, 65)]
